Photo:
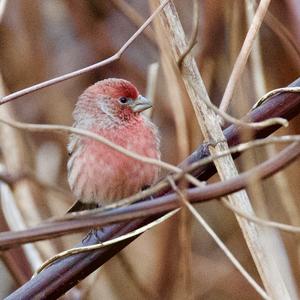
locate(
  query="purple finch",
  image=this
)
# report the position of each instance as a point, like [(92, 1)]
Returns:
[(98, 174)]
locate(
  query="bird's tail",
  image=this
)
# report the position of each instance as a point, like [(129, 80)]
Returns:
[(79, 206)]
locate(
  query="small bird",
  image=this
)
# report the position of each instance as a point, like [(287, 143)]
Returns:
[(97, 174)]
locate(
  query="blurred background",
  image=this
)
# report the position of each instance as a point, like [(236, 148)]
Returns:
[(176, 260)]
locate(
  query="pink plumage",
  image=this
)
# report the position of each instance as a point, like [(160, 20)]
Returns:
[(96, 172)]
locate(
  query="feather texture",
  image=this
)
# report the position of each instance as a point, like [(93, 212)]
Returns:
[(96, 172)]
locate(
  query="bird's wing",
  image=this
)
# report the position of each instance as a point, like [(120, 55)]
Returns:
[(73, 140)]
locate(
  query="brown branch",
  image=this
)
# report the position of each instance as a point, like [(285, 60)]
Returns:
[(14, 258)]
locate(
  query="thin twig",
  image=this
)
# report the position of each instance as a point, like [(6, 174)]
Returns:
[(253, 125), (102, 63), (88, 134), (260, 221), (268, 95), (123, 237), (256, 59), (244, 53)]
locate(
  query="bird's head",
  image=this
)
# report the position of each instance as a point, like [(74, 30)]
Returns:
[(111, 101)]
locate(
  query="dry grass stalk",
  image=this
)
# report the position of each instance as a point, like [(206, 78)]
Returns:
[(177, 97), (244, 53), (226, 168)]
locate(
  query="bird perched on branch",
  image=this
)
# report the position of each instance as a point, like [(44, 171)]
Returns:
[(98, 174)]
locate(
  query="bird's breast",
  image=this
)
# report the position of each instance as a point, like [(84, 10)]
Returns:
[(101, 174)]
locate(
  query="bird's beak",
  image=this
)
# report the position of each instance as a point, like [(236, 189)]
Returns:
[(141, 103)]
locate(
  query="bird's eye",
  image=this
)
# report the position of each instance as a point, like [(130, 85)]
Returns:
[(123, 100)]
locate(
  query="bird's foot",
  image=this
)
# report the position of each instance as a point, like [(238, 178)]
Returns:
[(96, 233)]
